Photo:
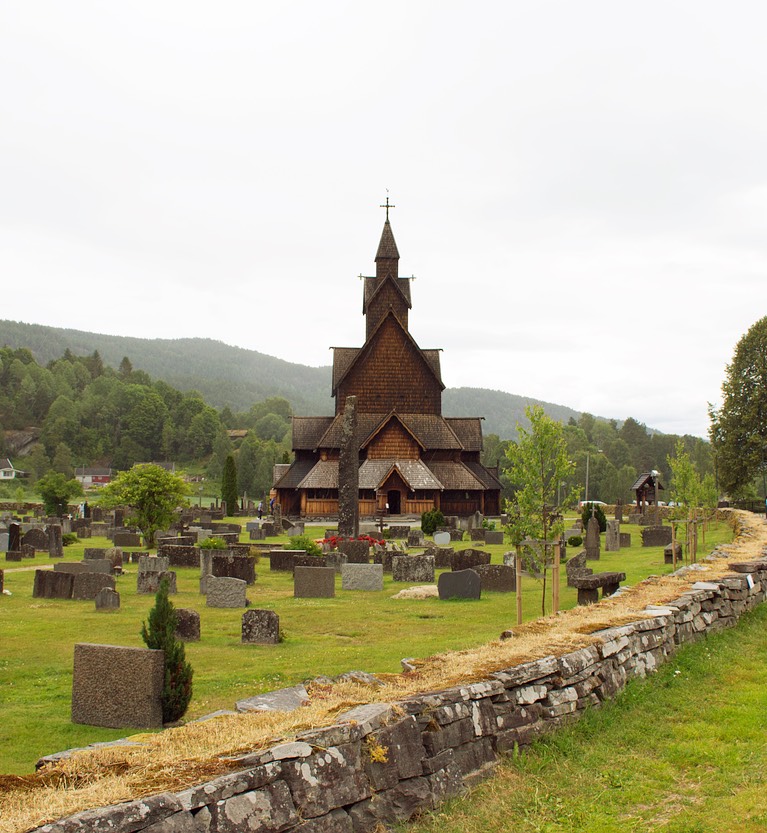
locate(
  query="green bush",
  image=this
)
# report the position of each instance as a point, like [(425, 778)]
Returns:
[(213, 544), (69, 538), (430, 521), (161, 634), (487, 524), (305, 543), (599, 514), (575, 541)]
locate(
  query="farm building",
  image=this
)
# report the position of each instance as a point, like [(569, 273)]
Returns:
[(412, 458)]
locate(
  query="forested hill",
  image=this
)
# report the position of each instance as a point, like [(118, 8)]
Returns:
[(224, 375), (232, 376)]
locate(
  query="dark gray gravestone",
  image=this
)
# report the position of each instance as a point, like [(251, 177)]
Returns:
[(268, 529), (14, 536), (150, 582), (314, 583), (226, 592), (656, 536), (356, 552), (455, 534), (180, 556), (383, 557), (234, 566), (413, 568), (498, 577), (625, 539), (127, 539), (619, 511), (493, 536), (187, 624), (84, 532), (306, 560), (282, 561), (362, 577), (107, 599), (257, 534), (12, 555), (460, 584), (96, 565), (260, 627), (468, 559), (117, 687), (35, 537), (27, 551), (592, 540), (668, 553), (477, 533), (55, 545), (52, 585), (443, 557), (399, 532), (92, 553), (86, 585), (349, 472), (415, 538), (613, 536)]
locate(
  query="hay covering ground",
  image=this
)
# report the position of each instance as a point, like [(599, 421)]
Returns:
[(188, 755)]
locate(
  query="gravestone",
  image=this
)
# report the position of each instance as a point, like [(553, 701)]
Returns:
[(107, 599), (27, 551), (73, 567), (55, 545), (150, 582), (399, 532), (306, 560), (475, 520), (87, 585), (461, 584), (314, 583), (635, 517), (497, 577), (413, 568), (443, 557), (468, 559), (477, 533), (92, 553), (493, 536), (153, 564), (356, 552), (97, 514), (592, 540), (187, 624), (268, 529), (117, 687), (668, 552), (95, 565), (510, 558), (336, 560), (126, 539), (257, 534), (226, 592), (612, 536), (84, 532), (455, 534), (260, 627), (625, 539), (656, 536), (282, 561), (576, 568), (179, 555), (415, 538), (114, 555), (362, 577), (36, 538), (296, 529), (619, 511), (442, 539), (52, 585), (118, 518), (234, 566), (4, 541), (14, 536)]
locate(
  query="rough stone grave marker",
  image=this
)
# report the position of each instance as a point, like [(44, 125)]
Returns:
[(500, 578), (226, 592), (592, 540), (625, 540), (150, 582), (656, 536), (260, 627), (36, 537), (86, 586), (14, 536), (413, 568), (4, 541), (613, 536), (187, 624), (52, 585), (234, 566), (493, 536), (356, 552), (468, 559), (107, 599), (117, 687), (55, 545)]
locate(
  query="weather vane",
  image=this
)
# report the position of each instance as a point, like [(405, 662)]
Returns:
[(387, 206)]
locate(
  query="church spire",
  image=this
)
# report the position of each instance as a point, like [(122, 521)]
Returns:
[(387, 248)]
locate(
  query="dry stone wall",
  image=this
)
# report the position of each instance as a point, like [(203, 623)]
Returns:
[(384, 762)]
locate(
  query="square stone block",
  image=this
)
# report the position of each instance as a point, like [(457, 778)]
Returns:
[(362, 577), (260, 627), (314, 583), (226, 592), (413, 568)]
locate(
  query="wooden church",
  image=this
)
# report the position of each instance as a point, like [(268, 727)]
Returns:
[(412, 459)]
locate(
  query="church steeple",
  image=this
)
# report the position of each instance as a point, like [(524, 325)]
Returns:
[(387, 256), (386, 291)]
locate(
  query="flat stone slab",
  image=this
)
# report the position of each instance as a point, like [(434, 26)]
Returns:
[(459, 584), (500, 578), (367, 577), (226, 592), (413, 568), (598, 580), (314, 583), (748, 566), (282, 700)]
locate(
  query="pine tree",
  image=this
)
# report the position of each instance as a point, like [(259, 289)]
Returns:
[(229, 485), (161, 634)]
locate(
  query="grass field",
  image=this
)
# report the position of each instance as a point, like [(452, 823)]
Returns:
[(367, 631), (683, 751)]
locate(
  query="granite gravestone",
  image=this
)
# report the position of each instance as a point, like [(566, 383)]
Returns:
[(656, 536), (55, 544), (226, 592), (36, 537), (459, 584), (107, 599), (469, 558), (314, 583), (613, 536), (14, 536), (362, 577), (86, 586), (52, 585), (187, 624), (234, 566), (150, 582), (260, 627), (500, 578), (413, 568), (356, 552), (592, 540)]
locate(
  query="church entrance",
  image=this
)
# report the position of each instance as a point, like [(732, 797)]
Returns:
[(394, 499)]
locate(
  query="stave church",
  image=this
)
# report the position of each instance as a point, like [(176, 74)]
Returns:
[(412, 458)]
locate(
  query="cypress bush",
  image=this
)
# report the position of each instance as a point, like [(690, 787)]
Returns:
[(430, 521), (161, 634), (599, 514), (229, 485)]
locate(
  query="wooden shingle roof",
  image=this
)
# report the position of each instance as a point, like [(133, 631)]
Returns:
[(646, 478), (431, 430), (468, 430), (488, 478), (295, 473), (343, 359), (373, 286), (415, 473), (323, 475), (455, 476), (387, 246), (308, 431)]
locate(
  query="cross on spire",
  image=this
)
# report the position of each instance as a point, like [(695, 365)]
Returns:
[(387, 206)]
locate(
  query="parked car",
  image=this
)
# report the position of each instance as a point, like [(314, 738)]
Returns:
[(582, 503)]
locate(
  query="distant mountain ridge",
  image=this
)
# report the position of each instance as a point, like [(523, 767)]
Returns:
[(233, 376)]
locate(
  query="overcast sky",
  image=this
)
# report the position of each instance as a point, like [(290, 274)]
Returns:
[(580, 187)]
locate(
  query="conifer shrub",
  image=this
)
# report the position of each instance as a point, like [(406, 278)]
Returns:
[(599, 514), (431, 521), (305, 543), (161, 634)]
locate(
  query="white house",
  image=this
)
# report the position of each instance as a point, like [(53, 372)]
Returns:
[(7, 471)]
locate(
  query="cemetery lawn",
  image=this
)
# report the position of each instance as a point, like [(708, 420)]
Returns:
[(682, 751), (354, 630)]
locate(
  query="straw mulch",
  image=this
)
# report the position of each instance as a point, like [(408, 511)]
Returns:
[(191, 754)]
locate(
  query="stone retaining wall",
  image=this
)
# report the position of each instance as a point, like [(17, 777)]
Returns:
[(384, 762)]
